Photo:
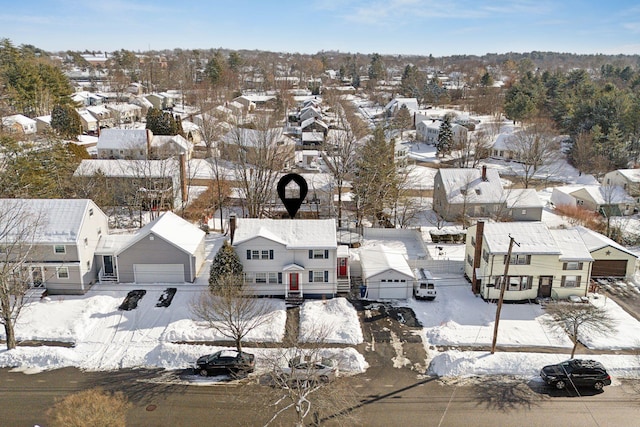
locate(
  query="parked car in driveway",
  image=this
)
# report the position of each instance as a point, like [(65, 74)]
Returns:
[(576, 372), (306, 372), (226, 362)]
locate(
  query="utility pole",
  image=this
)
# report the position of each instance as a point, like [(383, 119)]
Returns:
[(503, 286)]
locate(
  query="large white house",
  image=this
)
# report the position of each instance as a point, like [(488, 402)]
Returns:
[(290, 258), (543, 262)]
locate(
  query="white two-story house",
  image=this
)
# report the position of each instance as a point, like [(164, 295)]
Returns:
[(289, 258), (543, 263)]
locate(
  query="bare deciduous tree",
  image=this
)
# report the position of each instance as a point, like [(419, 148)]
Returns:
[(232, 310), (577, 319), (534, 147), (340, 149), (18, 229), (258, 157), (302, 388)]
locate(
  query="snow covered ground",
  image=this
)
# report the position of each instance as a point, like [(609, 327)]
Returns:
[(105, 338)]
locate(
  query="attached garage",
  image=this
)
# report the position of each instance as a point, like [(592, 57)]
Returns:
[(609, 268), (167, 250), (158, 273), (610, 258)]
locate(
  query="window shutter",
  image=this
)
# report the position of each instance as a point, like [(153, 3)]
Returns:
[(564, 266), (528, 259), (310, 276), (578, 281), (562, 281), (310, 254), (280, 278), (504, 261), (326, 276), (248, 253), (270, 253), (326, 254), (579, 266)]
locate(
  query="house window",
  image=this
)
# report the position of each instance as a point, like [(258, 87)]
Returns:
[(99, 231), (59, 249), (473, 241), (62, 272), (260, 254), (318, 276), (524, 212), (261, 277), (485, 255), (273, 278), (572, 266), (520, 283), (469, 259), (91, 212), (570, 282), (249, 277), (518, 259), (318, 254), (86, 242), (88, 265)]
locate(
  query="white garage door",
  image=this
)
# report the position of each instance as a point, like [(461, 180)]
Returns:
[(158, 273)]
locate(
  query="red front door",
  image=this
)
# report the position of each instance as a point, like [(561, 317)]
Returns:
[(342, 267), (293, 281)]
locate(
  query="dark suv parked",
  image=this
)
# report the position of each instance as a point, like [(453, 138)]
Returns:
[(576, 372), (226, 362)]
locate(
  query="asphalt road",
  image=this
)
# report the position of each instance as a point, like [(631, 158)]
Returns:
[(381, 398)]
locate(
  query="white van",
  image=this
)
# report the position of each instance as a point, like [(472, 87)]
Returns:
[(425, 285)]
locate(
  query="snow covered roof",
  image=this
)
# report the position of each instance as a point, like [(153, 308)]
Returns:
[(254, 137), (632, 175), (123, 139), (293, 233), (504, 141), (178, 140), (571, 245), (595, 241), (59, 220), (128, 168), (397, 103), (523, 198), (87, 116), (602, 195), (17, 118), (532, 238), (173, 229), (311, 120), (462, 185), (380, 258)]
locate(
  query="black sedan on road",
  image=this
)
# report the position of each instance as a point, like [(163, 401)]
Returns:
[(226, 362)]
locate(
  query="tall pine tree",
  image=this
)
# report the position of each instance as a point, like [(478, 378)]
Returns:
[(445, 137)]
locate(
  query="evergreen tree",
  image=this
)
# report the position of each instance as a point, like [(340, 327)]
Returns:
[(445, 136), (65, 120), (226, 263), (163, 123), (377, 67), (215, 69)]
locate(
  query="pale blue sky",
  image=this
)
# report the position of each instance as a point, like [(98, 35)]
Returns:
[(420, 27)]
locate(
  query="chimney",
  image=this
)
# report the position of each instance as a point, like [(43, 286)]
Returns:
[(232, 226), (149, 138), (183, 177), (484, 172), (477, 253)]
